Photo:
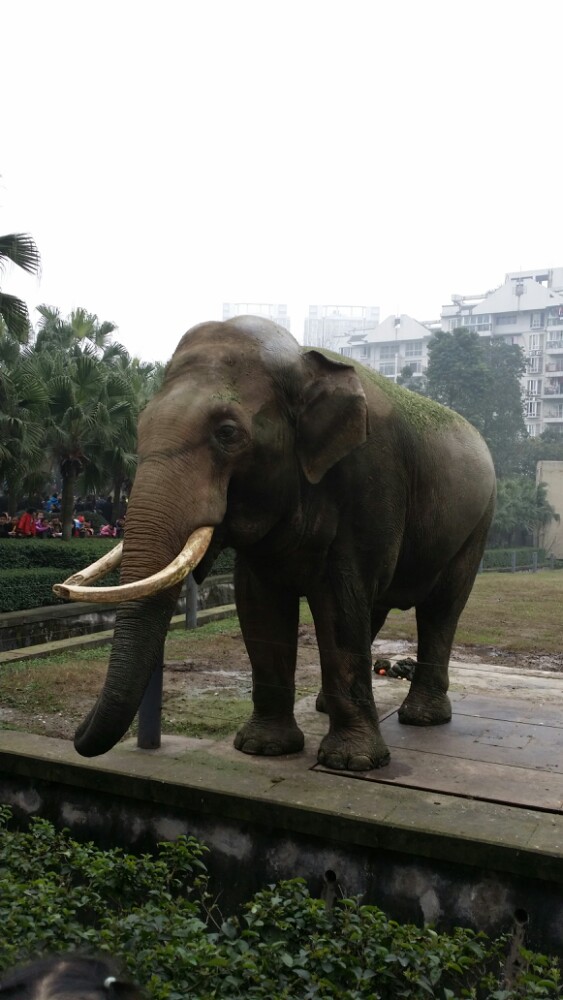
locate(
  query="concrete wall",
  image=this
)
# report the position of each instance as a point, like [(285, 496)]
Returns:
[(19, 629), (408, 873), (551, 536)]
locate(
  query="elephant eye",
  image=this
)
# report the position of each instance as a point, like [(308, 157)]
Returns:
[(228, 432)]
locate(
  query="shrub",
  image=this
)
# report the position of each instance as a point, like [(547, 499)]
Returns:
[(155, 914), (24, 553), (224, 563), (21, 589), (502, 558)]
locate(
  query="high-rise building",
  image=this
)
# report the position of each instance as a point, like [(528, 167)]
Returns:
[(527, 309), (270, 310), (325, 326)]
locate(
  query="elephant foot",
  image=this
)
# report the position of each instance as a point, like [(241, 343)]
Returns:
[(425, 708), (346, 751), (269, 738), (320, 703)]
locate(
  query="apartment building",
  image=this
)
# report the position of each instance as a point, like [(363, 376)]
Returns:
[(327, 326), (527, 309), (270, 310), (391, 345)]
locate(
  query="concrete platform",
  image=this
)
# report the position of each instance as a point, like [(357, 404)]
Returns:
[(464, 826)]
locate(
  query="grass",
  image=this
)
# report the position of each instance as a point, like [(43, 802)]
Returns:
[(513, 612), (208, 716)]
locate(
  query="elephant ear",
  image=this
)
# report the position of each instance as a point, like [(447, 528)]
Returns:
[(333, 419)]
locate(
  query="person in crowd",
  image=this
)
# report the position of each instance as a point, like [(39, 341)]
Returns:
[(119, 527), (56, 527), (107, 531), (42, 526), (25, 528), (53, 504), (6, 526), (68, 976)]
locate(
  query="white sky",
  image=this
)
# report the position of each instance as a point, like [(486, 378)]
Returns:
[(171, 156)]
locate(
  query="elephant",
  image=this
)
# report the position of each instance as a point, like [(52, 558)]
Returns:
[(331, 483)]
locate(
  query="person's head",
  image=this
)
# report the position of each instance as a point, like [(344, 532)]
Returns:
[(32, 511), (68, 977)]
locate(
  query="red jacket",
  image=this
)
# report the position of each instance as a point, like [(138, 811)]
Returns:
[(26, 525)]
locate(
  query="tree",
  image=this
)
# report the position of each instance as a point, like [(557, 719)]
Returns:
[(522, 509), (22, 403), (504, 429), (408, 379), (548, 447), (480, 378), (19, 249), (457, 374)]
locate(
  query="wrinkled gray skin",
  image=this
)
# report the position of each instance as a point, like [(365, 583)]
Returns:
[(331, 483)]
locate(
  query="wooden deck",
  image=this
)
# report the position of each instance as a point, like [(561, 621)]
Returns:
[(493, 750)]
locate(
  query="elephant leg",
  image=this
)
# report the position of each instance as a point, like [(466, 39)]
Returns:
[(353, 742), (378, 618), (427, 703), (268, 620)]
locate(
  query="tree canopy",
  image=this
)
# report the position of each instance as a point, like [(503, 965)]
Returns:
[(480, 378), (18, 249), (68, 409)]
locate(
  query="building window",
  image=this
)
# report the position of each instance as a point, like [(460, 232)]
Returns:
[(413, 349), (387, 369), (387, 351), (535, 341), (536, 320), (506, 319), (533, 387), (532, 430), (534, 364), (532, 408)]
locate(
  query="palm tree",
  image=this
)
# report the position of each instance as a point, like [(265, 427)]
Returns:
[(23, 399), (19, 249), (92, 409), (80, 326)]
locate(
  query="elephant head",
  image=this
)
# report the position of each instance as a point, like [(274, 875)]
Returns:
[(243, 422)]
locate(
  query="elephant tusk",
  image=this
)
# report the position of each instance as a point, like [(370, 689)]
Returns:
[(97, 569), (192, 553)]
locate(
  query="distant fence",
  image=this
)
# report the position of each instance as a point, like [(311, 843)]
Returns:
[(523, 560)]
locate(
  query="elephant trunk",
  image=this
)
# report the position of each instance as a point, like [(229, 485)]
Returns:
[(153, 539), (137, 650)]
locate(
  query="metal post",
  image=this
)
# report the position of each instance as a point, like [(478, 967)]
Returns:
[(191, 602), (513, 561), (149, 735)]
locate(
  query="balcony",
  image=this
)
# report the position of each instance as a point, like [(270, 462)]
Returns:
[(554, 321), (553, 418), (553, 390), (556, 368), (554, 346)]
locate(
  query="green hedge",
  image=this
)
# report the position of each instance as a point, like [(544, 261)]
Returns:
[(502, 558), (32, 553), (157, 915), (21, 589), (30, 567), (76, 554)]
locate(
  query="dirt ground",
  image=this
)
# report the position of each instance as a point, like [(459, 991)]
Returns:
[(221, 662), (207, 681)]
